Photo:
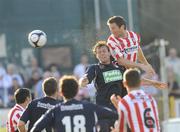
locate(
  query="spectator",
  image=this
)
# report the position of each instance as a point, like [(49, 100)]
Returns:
[(8, 80), (80, 69), (38, 87), (31, 83), (34, 67), (11, 92), (172, 61)]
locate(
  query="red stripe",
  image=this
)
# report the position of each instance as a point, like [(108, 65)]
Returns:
[(111, 46), (18, 116), (138, 114), (119, 46), (11, 121), (129, 114), (121, 42), (112, 39), (134, 57), (121, 126), (154, 111), (132, 37), (129, 57), (128, 42), (117, 56), (15, 122)]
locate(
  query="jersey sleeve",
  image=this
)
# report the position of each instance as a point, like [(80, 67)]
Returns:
[(91, 72), (26, 114), (114, 49), (46, 119), (105, 113)]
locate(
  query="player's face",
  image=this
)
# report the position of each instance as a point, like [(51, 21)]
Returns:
[(103, 55), (115, 30)]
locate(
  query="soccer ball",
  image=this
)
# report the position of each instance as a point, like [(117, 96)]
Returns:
[(37, 38)]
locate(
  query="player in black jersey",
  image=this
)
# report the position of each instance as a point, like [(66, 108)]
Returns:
[(39, 106), (107, 77), (73, 115)]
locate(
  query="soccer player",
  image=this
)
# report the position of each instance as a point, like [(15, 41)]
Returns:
[(138, 109), (39, 106), (72, 115), (108, 79), (22, 98), (125, 46), (108, 76)]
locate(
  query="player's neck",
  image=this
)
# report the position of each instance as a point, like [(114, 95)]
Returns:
[(53, 97), (23, 105), (122, 34), (132, 89)]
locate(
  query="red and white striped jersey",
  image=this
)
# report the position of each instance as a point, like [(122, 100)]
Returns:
[(13, 117), (124, 47), (140, 111)]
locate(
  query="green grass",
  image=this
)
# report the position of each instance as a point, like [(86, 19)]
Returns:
[(2, 129)]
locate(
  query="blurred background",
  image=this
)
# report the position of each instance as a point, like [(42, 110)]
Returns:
[(72, 28)]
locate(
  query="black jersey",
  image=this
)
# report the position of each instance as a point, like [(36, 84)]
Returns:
[(108, 80), (74, 116), (36, 109)]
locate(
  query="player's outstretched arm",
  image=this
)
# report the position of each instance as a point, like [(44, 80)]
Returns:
[(83, 81), (156, 84)]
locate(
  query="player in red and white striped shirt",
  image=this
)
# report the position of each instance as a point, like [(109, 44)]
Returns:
[(125, 46), (137, 109), (22, 98)]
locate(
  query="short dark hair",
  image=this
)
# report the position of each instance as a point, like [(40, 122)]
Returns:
[(99, 44), (132, 78), (119, 20), (50, 86), (69, 86), (21, 95)]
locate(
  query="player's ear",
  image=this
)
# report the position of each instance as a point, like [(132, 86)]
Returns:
[(60, 93), (125, 83)]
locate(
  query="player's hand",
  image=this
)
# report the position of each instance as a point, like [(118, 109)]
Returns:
[(115, 128), (115, 100), (83, 81), (159, 85)]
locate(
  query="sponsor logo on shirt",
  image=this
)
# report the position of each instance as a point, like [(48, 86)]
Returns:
[(71, 107), (130, 49), (111, 76), (44, 105)]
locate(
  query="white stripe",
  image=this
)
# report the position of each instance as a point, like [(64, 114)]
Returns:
[(96, 120), (136, 38)]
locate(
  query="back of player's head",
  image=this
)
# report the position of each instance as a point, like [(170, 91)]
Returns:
[(68, 86), (50, 86), (21, 95), (98, 45), (118, 20), (132, 78)]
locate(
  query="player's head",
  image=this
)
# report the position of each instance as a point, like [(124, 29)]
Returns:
[(68, 87), (50, 87), (116, 24), (102, 52), (132, 79), (22, 95)]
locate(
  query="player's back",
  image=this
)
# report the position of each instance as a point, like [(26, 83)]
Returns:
[(141, 112), (74, 116), (36, 109)]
